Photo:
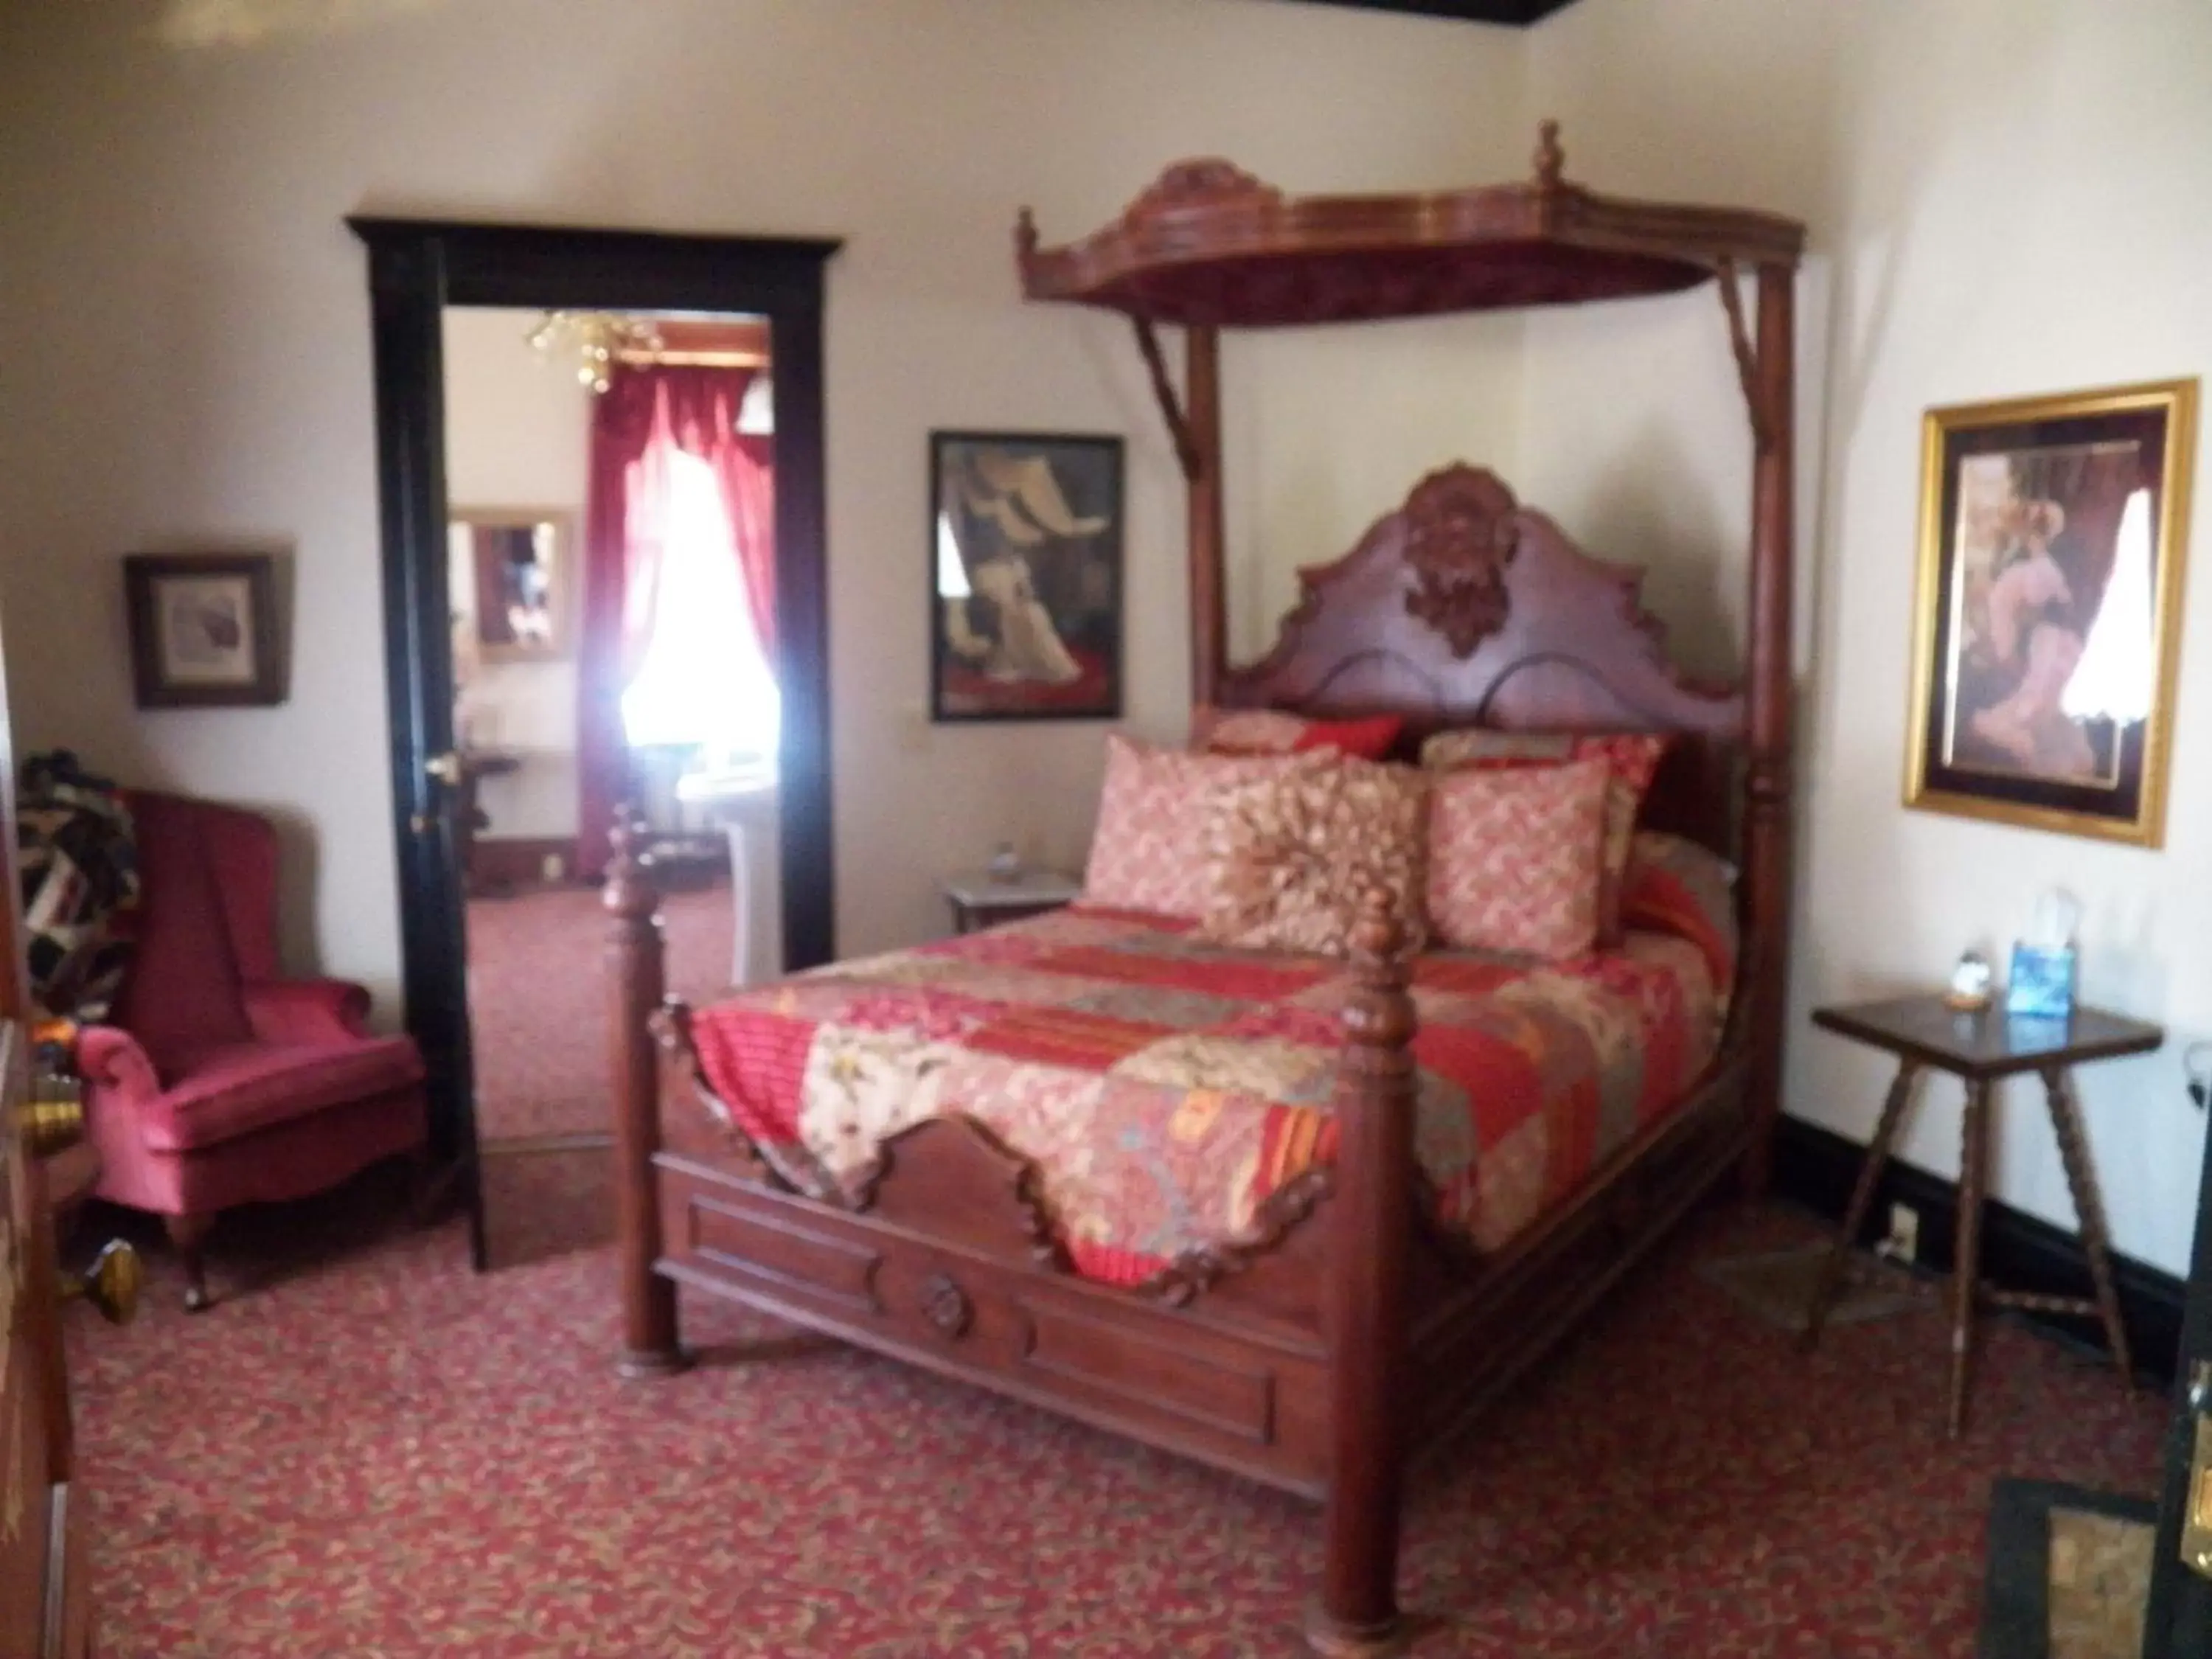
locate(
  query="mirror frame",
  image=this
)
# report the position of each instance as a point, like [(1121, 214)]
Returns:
[(567, 571)]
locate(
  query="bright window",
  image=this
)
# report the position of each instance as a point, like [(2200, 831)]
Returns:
[(704, 679)]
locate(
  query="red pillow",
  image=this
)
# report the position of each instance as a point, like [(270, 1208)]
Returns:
[(1274, 731), (1631, 757)]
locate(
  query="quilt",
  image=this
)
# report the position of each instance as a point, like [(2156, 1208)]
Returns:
[(1165, 1087)]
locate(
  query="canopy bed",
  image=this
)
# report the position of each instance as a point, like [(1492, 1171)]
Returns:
[(1379, 1284)]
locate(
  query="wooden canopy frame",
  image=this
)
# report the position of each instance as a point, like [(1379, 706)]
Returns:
[(1347, 1331), (1209, 246)]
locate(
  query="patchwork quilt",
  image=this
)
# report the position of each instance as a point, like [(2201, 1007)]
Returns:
[(1165, 1086)]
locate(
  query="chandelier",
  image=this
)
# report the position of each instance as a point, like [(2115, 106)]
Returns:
[(595, 339)]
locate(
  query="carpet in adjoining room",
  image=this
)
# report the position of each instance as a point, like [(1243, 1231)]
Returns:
[(383, 1454), (538, 995)]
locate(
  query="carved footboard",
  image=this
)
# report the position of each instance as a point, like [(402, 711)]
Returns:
[(1280, 1360)]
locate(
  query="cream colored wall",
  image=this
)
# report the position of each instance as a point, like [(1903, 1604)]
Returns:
[(185, 336), (2005, 197), (518, 434)]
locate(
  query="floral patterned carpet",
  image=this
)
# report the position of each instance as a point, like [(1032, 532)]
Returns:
[(366, 1450), (537, 1001)]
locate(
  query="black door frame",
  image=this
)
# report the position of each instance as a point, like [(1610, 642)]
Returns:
[(416, 268)]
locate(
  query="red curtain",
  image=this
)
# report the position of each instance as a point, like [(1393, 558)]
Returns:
[(697, 407), (746, 467)]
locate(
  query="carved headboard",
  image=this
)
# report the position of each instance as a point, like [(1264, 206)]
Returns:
[(1465, 608)]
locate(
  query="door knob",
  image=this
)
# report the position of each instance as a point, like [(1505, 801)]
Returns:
[(51, 1123), (110, 1283), (2197, 1514), (446, 767)]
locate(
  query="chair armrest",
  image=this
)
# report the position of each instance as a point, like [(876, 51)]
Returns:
[(110, 1060), (306, 1010)]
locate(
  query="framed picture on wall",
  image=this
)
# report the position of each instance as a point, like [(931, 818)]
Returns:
[(203, 630), (2048, 609), (1025, 576)]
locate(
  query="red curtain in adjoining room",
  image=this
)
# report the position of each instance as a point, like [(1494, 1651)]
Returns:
[(697, 407), (703, 411), (746, 467)]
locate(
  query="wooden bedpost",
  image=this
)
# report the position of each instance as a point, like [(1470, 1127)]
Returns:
[(1771, 385), (1209, 602), (635, 956), (1364, 1309)]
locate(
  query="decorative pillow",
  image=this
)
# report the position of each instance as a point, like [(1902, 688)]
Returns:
[(1273, 731), (1676, 886), (1513, 857), (1152, 821), (1292, 858), (1633, 758)]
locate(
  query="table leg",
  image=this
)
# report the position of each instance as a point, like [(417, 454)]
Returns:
[(1966, 1265), (2089, 1208), (1885, 1141)]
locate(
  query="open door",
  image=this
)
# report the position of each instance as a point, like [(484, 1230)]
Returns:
[(45, 1609), (2178, 1623), (416, 269)]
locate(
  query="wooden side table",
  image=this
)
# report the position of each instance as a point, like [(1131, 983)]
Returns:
[(1979, 1048), (980, 900)]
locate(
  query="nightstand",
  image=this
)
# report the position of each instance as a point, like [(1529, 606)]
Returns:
[(980, 899), (1980, 1049)]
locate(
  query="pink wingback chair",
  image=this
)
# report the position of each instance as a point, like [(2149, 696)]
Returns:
[(218, 1083)]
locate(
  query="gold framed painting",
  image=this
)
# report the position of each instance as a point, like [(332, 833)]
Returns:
[(2047, 618)]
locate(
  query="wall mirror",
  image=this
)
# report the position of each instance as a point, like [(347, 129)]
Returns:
[(515, 586)]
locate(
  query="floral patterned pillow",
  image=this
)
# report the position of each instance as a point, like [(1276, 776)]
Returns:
[(1632, 757), (1152, 821), (1514, 858), (1291, 859)]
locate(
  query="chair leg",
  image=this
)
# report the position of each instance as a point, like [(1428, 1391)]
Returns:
[(187, 1233)]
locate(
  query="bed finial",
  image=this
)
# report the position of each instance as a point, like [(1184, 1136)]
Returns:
[(1551, 159), (629, 893), (1379, 1015)]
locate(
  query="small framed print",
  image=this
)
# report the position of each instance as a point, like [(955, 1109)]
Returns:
[(1025, 576), (204, 630), (2048, 609)]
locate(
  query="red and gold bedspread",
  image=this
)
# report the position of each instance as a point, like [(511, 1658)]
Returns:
[(1165, 1086)]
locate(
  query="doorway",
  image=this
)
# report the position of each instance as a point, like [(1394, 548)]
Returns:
[(611, 480), (668, 345)]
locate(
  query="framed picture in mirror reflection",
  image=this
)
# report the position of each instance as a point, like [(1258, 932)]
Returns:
[(514, 578), (2047, 610)]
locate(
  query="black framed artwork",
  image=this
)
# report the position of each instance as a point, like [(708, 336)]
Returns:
[(203, 630), (1026, 550), (2048, 624)]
